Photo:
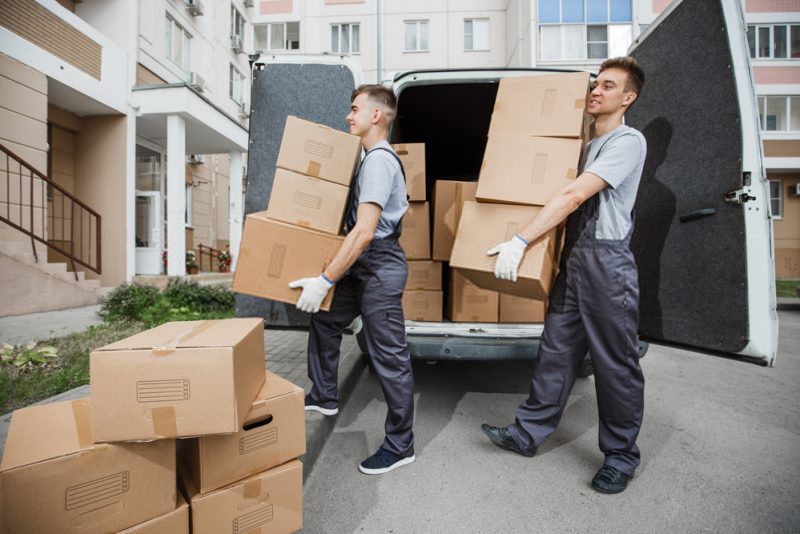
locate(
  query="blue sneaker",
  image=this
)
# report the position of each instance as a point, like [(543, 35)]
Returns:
[(383, 461)]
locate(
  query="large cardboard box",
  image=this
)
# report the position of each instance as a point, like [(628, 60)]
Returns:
[(469, 303), (548, 105), (422, 305), (274, 253), (448, 199), (54, 479), (412, 155), (308, 202), (485, 225), (424, 274), (273, 433), (180, 379), (174, 522), (268, 502), (319, 151), (416, 236), (527, 170), (521, 310)]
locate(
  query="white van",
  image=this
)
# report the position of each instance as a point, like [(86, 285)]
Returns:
[(703, 238)]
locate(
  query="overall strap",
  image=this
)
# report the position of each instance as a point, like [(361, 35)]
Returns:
[(350, 219)]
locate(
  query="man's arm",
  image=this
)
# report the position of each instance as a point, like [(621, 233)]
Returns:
[(557, 209)]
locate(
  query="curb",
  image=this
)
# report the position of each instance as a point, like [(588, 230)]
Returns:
[(319, 427)]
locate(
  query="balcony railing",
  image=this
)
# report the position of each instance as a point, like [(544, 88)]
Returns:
[(44, 211)]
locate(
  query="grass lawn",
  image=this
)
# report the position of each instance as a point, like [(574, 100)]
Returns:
[(787, 288), (38, 377)]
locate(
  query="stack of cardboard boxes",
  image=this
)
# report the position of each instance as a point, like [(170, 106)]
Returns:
[(300, 231), (108, 463), (535, 138)]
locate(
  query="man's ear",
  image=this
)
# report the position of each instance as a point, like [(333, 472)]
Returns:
[(629, 99), (376, 115)]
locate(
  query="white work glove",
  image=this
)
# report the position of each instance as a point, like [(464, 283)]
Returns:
[(314, 291), (509, 256)]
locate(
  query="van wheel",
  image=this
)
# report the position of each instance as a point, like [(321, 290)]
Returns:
[(587, 369)]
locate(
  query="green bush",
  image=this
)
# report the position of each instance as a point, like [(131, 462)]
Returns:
[(127, 302), (182, 293), (165, 310)]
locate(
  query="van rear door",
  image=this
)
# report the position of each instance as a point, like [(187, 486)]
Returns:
[(703, 238)]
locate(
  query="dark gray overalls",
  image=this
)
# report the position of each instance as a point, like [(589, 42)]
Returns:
[(373, 288), (594, 306)]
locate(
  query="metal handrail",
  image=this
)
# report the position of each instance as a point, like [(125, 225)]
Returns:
[(15, 212), (212, 254)]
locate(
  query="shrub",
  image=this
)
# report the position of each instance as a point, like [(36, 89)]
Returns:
[(189, 294), (127, 302)]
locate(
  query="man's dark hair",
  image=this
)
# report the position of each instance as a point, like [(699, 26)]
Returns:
[(381, 96), (630, 66)]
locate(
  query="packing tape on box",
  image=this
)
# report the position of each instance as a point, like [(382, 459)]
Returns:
[(313, 169), (401, 150), (171, 344), (252, 489), (83, 422), (165, 424), (572, 174), (580, 103)]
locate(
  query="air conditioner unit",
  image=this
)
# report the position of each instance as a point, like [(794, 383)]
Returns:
[(249, 3), (197, 82), (794, 190), (236, 43), (195, 7), (195, 159), (243, 111)]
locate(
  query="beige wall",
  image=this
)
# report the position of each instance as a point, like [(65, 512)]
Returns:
[(100, 165), (787, 230), (210, 202)]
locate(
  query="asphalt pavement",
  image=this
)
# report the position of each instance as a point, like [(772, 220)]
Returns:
[(720, 453)]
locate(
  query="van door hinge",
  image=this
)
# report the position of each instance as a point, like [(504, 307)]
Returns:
[(738, 196)]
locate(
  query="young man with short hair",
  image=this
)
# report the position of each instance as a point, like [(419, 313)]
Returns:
[(594, 305), (370, 272)]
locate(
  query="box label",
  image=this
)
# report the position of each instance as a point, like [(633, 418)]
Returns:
[(252, 520), (258, 441), (97, 490), (163, 390)]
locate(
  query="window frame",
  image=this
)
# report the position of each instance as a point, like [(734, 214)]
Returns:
[(242, 78), (340, 26), (240, 28), (169, 34), (268, 37), (778, 199), (473, 20), (417, 24), (187, 216), (754, 50), (762, 106)]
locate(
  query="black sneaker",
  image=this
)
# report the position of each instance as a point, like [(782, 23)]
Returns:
[(610, 480), (314, 407), (501, 438), (383, 461)]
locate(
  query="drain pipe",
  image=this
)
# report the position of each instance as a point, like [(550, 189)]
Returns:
[(378, 48)]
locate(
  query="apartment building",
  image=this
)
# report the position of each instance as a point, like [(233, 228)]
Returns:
[(389, 37), (123, 135)]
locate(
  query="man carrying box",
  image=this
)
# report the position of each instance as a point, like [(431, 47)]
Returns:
[(594, 305), (370, 271)]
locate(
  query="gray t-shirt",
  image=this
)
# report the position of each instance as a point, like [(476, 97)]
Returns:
[(620, 161), (380, 181)]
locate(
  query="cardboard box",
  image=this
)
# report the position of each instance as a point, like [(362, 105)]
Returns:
[(307, 202), (319, 151), (422, 305), (527, 170), (448, 200), (548, 105), (413, 157), (424, 274), (174, 522), (274, 253), (521, 310), (180, 379), (469, 303), (268, 502), (54, 479), (485, 225), (416, 236), (273, 433)]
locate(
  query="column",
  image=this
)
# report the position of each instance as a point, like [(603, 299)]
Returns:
[(176, 195), (235, 208)]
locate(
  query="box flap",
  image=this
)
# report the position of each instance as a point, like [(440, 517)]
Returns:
[(182, 334), (40, 433)]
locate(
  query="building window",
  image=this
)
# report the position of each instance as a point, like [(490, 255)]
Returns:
[(237, 85), (779, 113), (237, 28), (416, 36), (584, 29), (476, 34), (187, 214), (177, 42), (277, 36), (774, 41), (345, 38), (776, 198)]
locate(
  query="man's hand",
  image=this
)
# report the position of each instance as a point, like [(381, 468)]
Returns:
[(314, 291), (509, 256)]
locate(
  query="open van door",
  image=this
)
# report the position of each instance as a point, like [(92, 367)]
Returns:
[(703, 238)]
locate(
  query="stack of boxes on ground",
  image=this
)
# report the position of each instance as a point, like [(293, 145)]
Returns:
[(299, 233), (533, 150), (108, 463)]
